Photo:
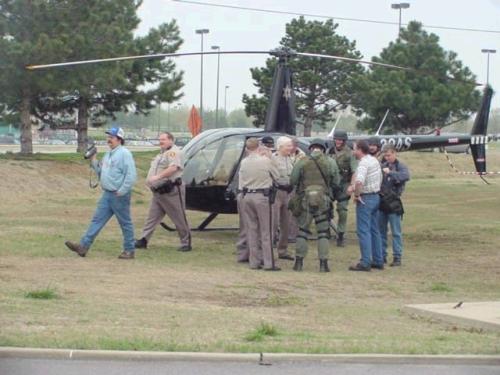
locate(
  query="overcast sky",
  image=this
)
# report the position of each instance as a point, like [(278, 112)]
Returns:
[(240, 30)]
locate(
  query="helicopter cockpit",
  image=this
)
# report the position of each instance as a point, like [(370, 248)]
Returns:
[(211, 162)]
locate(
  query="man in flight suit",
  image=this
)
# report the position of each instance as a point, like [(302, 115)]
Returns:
[(281, 214), (316, 179), (256, 185), (347, 164), (165, 181)]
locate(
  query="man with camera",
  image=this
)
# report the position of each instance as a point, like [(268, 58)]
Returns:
[(165, 181), (395, 176), (117, 174)]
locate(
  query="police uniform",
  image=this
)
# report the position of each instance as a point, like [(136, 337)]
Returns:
[(281, 214), (347, 164), (255, 182), (170, 203), (314, 178)]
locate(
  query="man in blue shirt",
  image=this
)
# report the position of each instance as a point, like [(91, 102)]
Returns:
[(117, 175)]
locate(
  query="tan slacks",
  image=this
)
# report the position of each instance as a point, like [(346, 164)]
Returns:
[(170, 204), (257, 216), (281, 221)]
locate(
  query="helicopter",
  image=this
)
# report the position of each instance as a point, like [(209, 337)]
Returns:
[(212, 158)]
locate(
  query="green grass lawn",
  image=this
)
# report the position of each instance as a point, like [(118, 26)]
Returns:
[(204, 301)]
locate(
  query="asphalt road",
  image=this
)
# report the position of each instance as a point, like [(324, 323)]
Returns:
[(13, 366)]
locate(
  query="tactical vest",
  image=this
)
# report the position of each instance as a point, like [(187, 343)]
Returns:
[(311, 173), (343, 159), (316, 189)]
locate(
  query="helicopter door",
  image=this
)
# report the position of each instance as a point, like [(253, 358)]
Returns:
[(214, 164)]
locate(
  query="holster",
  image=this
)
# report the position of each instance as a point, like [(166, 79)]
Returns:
[(167, 187)]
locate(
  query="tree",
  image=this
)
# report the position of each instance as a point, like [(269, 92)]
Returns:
[(94, 92), (439, 89), (29, 31), (322, 86)]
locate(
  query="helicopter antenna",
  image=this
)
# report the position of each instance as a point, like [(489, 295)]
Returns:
[(382, 122), (330, 135)]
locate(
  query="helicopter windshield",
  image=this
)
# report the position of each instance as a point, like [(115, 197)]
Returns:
[(213, 163)]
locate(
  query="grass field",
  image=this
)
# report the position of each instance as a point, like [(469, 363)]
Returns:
[(204, 301)]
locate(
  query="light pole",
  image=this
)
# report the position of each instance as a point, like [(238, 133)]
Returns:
[(159, 118), (225, 100), (488, 52), (217, 48), (201, 32), (400, 7)]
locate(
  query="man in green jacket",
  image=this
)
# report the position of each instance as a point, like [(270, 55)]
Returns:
[(315, 179)]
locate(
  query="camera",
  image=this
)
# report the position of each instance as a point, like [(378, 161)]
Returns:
[(91, 149)]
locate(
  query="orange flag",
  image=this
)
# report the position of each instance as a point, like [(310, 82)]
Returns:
[(194, 122)]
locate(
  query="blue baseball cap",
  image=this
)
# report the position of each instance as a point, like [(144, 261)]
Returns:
[(116, 132)]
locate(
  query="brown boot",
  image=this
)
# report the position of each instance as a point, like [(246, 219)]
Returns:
[(127, 255), (77, 248)]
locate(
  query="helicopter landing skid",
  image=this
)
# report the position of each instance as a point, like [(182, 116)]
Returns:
[(203, 225)]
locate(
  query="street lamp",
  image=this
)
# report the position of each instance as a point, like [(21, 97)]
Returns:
[(217, 48), (488, 52), (201, 32), (400, 6), (225, 100)]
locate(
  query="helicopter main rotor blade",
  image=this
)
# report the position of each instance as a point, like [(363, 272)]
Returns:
[(384, 65), (352, 60), (142, 57)]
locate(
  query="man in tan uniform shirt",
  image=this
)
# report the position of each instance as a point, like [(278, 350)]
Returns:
[(281, 214), (164, 180), (255, 182)]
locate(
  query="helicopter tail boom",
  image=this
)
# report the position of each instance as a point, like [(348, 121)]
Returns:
[(479, 136)]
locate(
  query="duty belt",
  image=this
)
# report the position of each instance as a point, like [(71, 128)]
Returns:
[(251, 191), (287, 188)]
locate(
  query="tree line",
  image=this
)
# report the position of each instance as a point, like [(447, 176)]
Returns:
[(49, 31)]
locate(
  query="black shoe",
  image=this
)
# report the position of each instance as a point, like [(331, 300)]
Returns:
[(272, 269), (299, 263), (378, 266), (359, 267), (323, 265), (286, 257), (77, 248), (385, 260), (185, 248), (395, 263), (141, 243), (340, 240)]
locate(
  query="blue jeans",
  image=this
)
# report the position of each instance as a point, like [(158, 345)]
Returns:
[(394, 220), (110, 204), (367, 227)]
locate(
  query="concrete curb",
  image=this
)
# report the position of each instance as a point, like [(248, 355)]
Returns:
[(68, 354)]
